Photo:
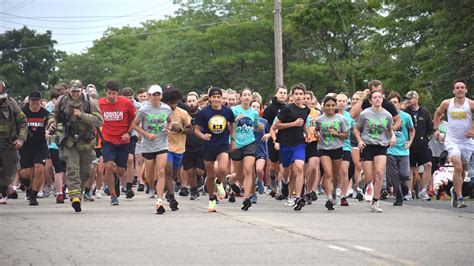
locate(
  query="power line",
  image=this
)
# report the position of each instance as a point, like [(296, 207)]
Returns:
[(102, 18), (130, 35)]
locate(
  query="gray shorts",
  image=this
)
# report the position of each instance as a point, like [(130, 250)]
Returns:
[(240, 153)]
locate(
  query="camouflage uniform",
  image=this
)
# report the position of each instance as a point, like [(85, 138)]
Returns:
[(12, 126), (77, 147)]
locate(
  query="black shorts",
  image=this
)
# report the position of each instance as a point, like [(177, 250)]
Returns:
[(346, 156), (58, 164), (152, 155), (370, 151), (240, 153), (98, 152), (420, 157), (133, 144), (311, 151), (193, 160), (30, 156), (211, 155), (333, 154), (273, 154)]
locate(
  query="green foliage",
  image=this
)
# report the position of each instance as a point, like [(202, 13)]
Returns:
[(24, 69)]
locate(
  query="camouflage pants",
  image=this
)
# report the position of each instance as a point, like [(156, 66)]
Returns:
[(9, 165), (78, 168)]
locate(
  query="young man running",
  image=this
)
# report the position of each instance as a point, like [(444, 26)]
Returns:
[(118, 113), (214, 125), (292, 129), (459, 140)]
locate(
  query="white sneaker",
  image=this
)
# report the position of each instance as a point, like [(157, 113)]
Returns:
[(98, 194), (40, 194), (374, 207), (424, 195), (408, 197), (290, 202), (350, 191)]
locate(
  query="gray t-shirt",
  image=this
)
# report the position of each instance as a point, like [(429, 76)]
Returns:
[(323, 124), (153, 120), (437, 146), (374, 126)]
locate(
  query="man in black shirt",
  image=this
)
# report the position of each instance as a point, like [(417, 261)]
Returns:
[(420, 153), (292, 131), (376, 85), (278, 103), (34, 152)]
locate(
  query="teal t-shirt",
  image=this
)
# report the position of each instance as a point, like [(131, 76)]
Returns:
[(402, 136), (350, 122), (244, 127)]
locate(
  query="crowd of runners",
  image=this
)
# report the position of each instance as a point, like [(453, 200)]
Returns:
[(231, 146)]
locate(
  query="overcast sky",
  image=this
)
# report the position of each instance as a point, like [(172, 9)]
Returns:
[(76, 23)]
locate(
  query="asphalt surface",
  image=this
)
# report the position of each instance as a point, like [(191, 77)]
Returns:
[(419, 233)]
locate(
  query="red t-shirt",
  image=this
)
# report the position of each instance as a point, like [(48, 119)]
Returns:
[(117, 118)]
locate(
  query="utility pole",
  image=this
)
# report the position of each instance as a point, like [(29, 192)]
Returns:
[(278, 44)]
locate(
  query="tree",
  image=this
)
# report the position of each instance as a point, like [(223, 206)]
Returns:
[(27, 60)]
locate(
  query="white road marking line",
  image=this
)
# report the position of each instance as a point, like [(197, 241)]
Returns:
[(337, 248), (363, 248)]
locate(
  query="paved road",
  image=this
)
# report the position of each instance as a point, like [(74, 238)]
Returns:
[(269, 233)]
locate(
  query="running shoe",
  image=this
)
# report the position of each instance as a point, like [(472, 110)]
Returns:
[(374, 207), (194, 195), (408, 196), (46, 191), (384, 195), (424, 195), (398, 203), (280, 197), (254, 198), (344, 202), (284, 189), (3, 199), (76, 204), (235, 188), (461, 203), (88, 197), (360, 194), (272, 193), (114, 201), (159, 207), (40, 195), (212, 206), (220, 190), (33, 201), (232, 197), (454, 197), (141, 187), (12, 193), (177, 187), (106, 191), (290, 202), (184, 192), (299, 203), (246, 204), (130, 194), (98, 194), (329, 205), (260, 187), (152, 193), (313, 195), (60, 198), (174, 204)]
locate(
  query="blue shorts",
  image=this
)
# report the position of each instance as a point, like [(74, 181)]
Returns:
[(176, 159), (116, 153), (289, 154)]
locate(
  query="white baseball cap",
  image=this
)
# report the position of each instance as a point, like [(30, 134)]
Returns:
[(154, 89)]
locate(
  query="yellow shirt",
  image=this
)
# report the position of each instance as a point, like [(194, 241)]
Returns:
[(176, 140)]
